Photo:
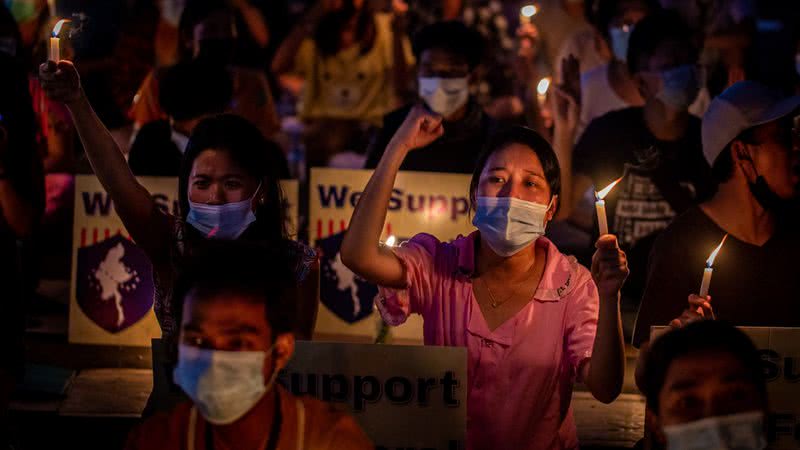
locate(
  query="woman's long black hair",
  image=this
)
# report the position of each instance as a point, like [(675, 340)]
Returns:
[(249, 149)]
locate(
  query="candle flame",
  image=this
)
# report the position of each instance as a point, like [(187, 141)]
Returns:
[(713, 256), (59, 24), (602, 194), (529, 10), (543, 86), (390, 241)]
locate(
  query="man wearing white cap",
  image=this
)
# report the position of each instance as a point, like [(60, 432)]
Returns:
[(750, 140)]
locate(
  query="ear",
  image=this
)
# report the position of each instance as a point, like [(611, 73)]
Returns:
[(551, 212), (284, 349), (641, 85), (743, 160)]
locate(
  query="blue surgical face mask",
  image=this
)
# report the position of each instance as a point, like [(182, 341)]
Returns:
[(620, 36), (509, 224), (227, 221), (679, 86), (224, 385)]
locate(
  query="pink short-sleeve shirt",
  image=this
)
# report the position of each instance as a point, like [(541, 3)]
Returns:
[(520, 376)]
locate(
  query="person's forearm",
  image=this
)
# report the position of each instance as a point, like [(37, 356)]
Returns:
[(360, 244), (131, 201), (256, 24), (607, 370), (104, 155), (16, 211)]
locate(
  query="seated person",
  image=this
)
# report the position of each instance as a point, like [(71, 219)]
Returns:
[(747, 139), (236, 321), (705, 389), (657, 147), (448, 54), (188, 93)]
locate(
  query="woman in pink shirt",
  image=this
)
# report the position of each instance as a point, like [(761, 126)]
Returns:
[(533, 320)]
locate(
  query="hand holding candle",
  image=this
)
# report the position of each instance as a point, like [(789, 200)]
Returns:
[(600, 205)]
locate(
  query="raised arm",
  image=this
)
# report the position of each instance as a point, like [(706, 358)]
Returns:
[(132, 202), (360, 250)]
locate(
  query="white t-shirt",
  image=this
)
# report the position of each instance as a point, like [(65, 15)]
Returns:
[(597, 97)]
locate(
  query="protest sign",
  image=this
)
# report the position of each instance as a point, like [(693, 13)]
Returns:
[(111, 292), (409, 397), (434, 203), (780, 361)]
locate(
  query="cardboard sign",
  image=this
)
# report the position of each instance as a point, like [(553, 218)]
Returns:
[(780, 361), (409, 397), (111, 293), (434, 203)]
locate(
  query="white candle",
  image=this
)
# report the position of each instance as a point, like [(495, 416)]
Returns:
[(55, 50), (602, 220), (709, 270), (706, 281), (600, 205)]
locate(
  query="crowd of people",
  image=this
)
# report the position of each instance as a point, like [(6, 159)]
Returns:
[(688, 108)]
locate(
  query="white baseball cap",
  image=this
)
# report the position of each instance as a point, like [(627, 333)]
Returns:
[(744, 105)]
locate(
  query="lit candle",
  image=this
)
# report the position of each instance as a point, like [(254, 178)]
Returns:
[(600, 205), (704, 285), (526, 13), (541, 90), (55, 44)]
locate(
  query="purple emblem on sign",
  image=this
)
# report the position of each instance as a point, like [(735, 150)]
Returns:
[(114, 283)]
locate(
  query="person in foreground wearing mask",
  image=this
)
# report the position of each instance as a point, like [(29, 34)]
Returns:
[(533, 320), (705, 389), (236, 319), (228, 188), (748, 135), (207, 34), (657, 147), (447, 53)]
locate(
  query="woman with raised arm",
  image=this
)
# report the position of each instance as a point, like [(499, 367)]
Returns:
[(228, 189), (533, 320)]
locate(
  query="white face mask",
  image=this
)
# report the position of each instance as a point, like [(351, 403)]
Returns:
[(444, 95), (509, 224), (223, 385), (620, 36), (226, 221), (735, 432)]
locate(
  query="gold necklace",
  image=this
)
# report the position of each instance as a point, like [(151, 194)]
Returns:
[(492, 301)]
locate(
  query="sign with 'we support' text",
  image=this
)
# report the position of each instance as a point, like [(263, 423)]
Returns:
[(112, 290), (421, 202), (404, 397)]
